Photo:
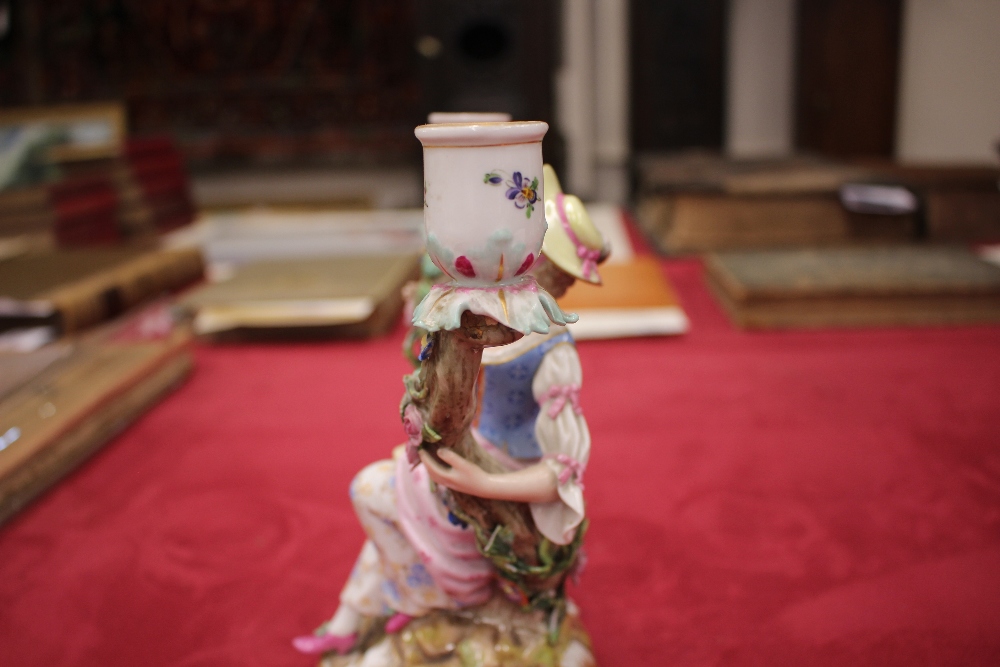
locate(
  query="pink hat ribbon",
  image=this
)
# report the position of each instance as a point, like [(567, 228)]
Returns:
[(588, 255)]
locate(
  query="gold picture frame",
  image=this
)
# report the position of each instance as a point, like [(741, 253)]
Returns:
[(92, 131)]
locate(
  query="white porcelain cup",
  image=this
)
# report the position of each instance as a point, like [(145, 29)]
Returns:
[(484, 211)]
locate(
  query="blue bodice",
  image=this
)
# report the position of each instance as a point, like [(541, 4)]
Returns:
[(509, 409)]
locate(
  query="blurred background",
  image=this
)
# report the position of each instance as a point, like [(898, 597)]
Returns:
[(798, 323), (315, 102), (340, 84)]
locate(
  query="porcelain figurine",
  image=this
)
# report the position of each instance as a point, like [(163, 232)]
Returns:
[(472, 532)]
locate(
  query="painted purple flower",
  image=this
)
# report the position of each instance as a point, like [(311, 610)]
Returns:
[(413, 426), (523, 192), (520, 190)]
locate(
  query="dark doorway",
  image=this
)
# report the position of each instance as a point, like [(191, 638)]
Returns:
[(678, 74), (848, 61)]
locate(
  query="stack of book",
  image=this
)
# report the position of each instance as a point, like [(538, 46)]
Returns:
[(852, 287), (304, 298), (139, 193), (61, 403), (279, 274), (153, 170), (68, 290), (81, 356), (961, 203), (697, 203)]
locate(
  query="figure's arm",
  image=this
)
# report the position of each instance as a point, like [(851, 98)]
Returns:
[(553, 486), (534, 484), (563, 436)]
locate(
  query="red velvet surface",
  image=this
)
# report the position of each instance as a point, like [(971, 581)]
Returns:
[(820, 498)]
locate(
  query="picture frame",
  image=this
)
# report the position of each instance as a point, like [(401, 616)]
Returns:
[(87, 131), (36, 141)]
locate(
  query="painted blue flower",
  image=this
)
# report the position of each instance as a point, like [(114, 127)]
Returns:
[(390, 590), (512, 420), (517, 397), (419, 576), (519, 370)]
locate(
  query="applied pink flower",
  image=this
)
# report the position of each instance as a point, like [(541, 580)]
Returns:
[(413, 425)]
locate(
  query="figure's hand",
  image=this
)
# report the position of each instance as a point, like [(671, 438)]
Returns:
[(463, 476), (534, 484)]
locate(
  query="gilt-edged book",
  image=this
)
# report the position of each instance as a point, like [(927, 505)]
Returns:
[(62, 403), (73, 289), (304, 298), (635, 299), (855, 287)]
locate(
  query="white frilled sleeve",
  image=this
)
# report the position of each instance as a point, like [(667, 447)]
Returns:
[(564, 440)]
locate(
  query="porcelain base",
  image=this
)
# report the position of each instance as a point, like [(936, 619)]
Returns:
[(496, 634)]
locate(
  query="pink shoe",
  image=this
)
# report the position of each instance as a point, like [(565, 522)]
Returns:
[(313, 644), (397, 622)]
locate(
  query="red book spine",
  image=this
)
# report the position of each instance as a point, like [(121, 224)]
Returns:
[(86, 212), (158, 168)]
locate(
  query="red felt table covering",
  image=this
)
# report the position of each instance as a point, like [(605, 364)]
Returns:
[(814, 498)]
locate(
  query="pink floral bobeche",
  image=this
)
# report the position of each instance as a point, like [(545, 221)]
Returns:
[(413, 426)]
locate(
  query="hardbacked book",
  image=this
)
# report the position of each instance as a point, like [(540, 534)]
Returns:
[(62, 403), (700, 202), (304, 298), (711, 173), (858, 286), (73, 289), (25, 210), (696, 203), (962, 203), (635, 299), (234, 237), (695, 222), (86, 212)]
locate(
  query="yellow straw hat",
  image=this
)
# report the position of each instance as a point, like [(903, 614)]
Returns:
[(572, 242)]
